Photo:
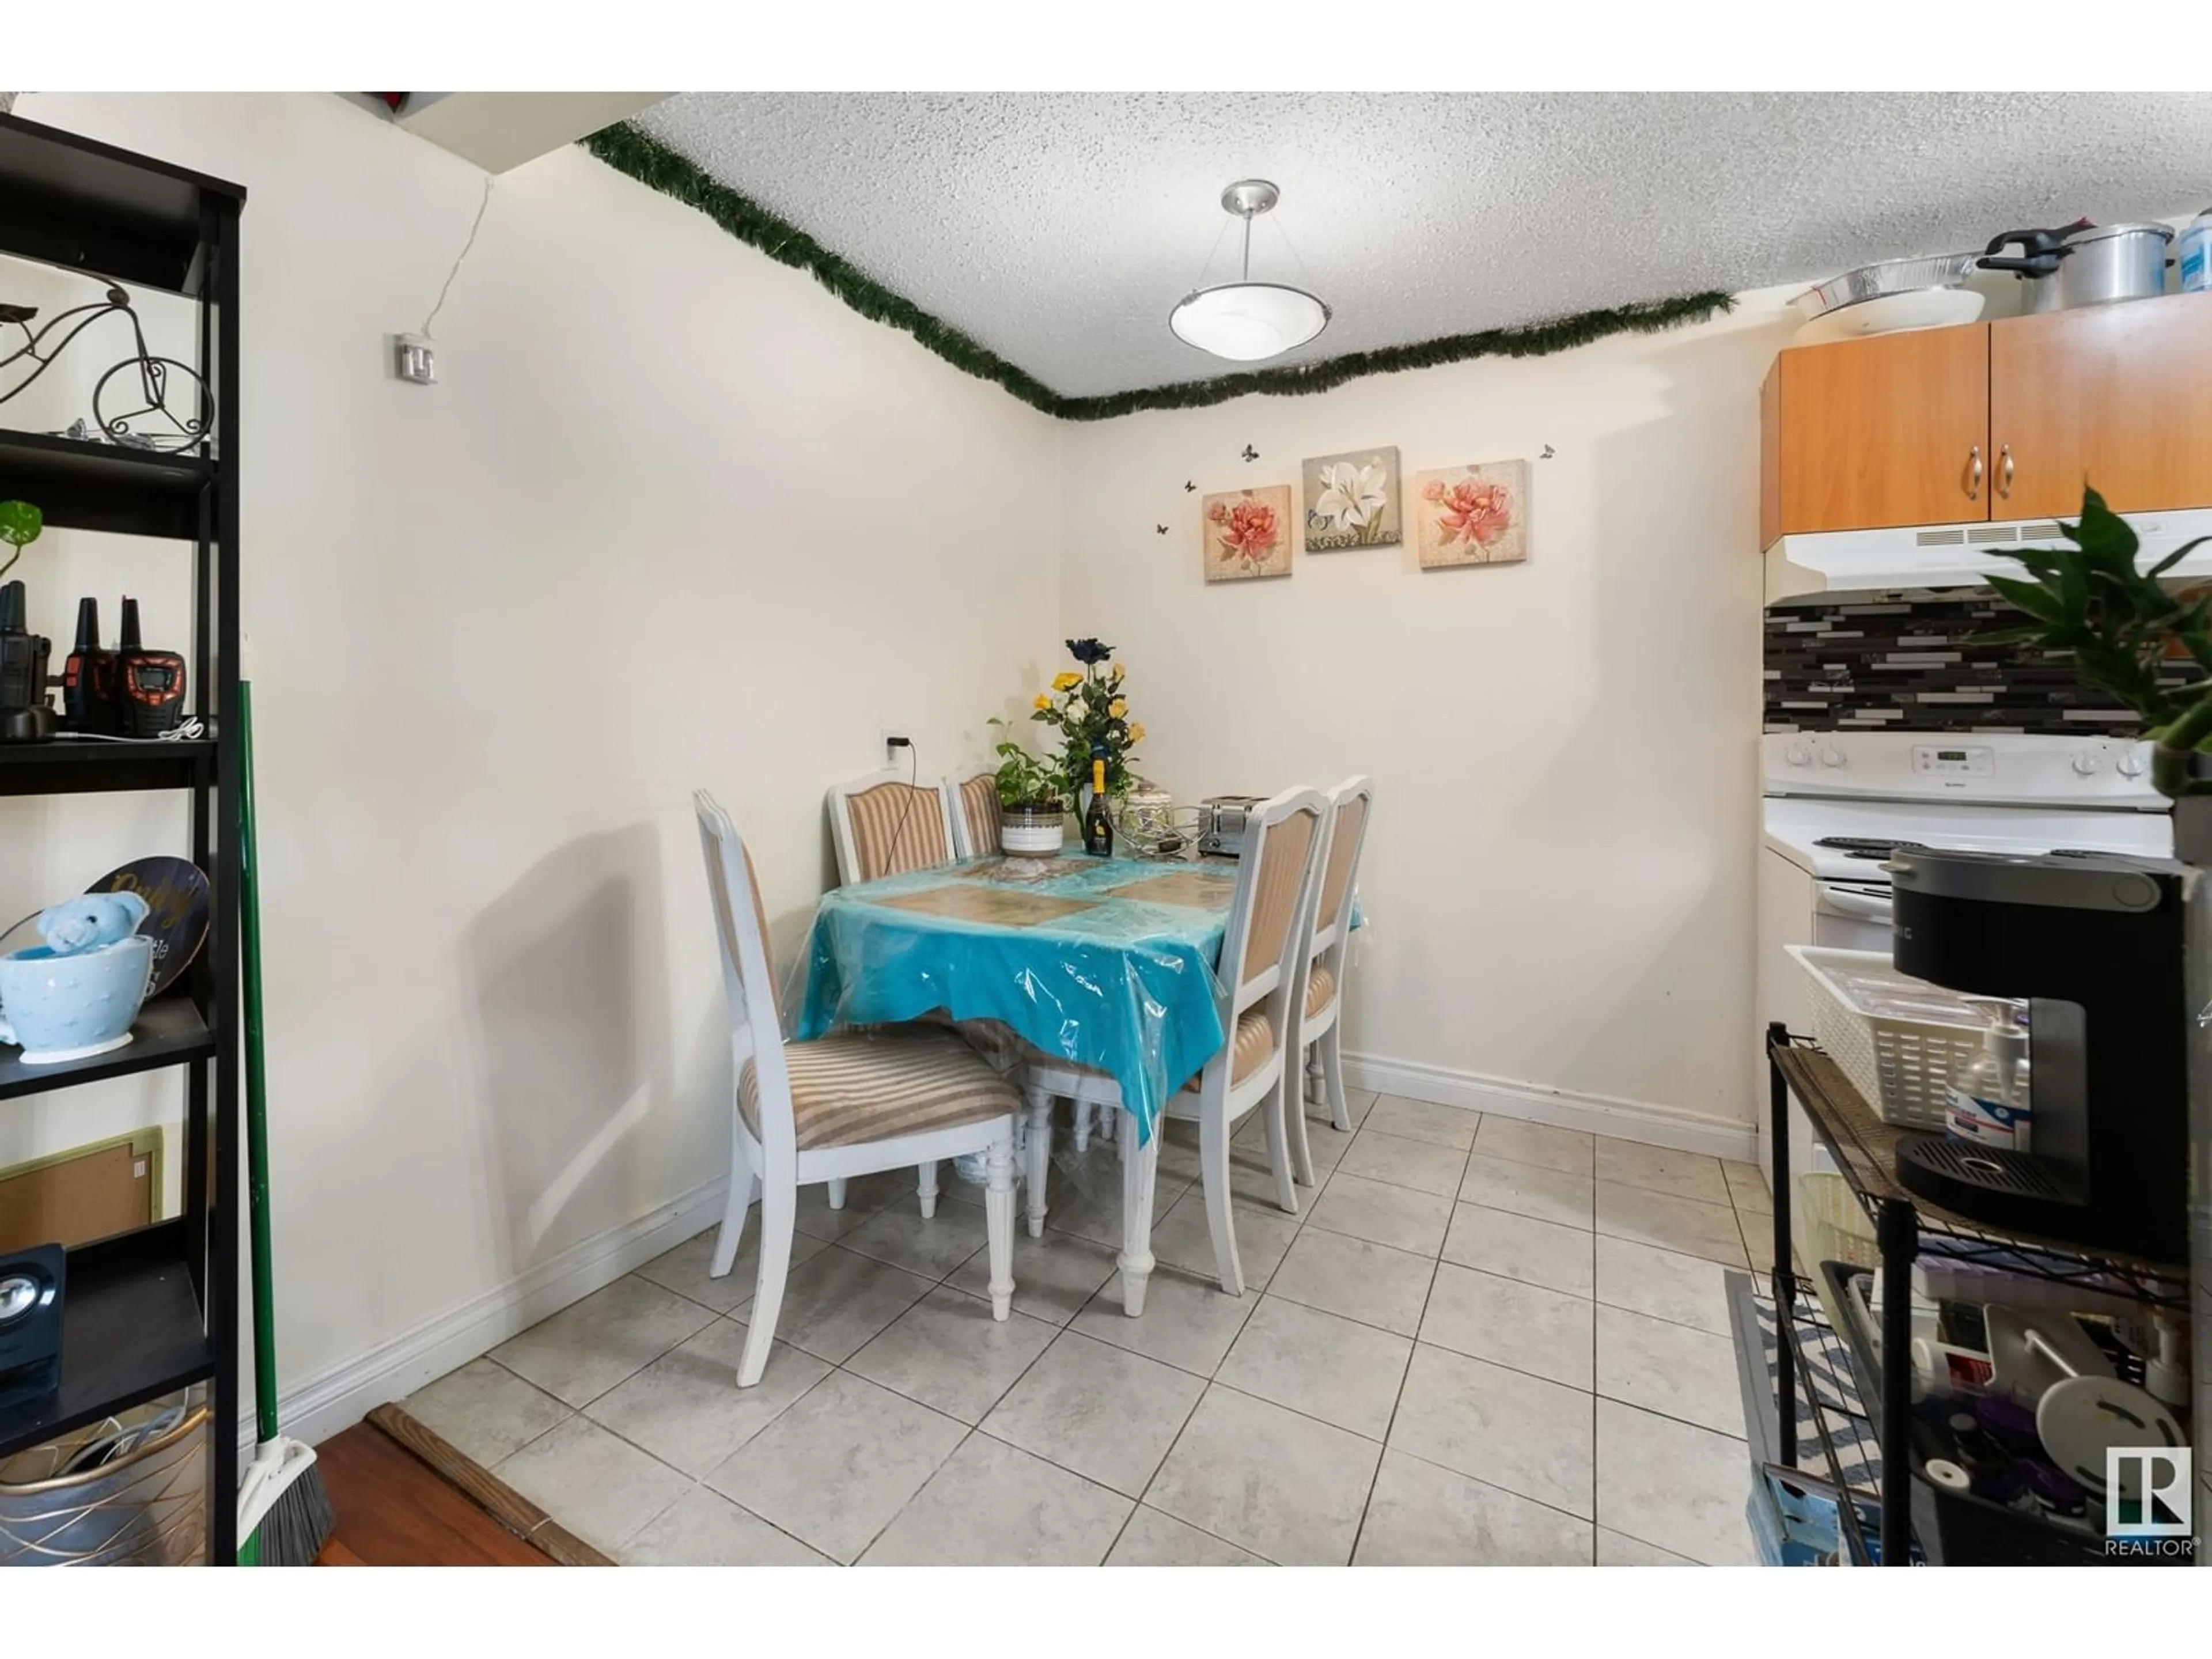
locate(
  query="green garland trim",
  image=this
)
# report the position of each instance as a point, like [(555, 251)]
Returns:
[(627, 148), (1298, 380)]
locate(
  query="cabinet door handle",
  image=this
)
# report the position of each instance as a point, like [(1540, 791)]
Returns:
[(1974, 473), (2004, 472)]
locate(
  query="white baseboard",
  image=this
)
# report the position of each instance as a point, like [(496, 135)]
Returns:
[(342, 1394), (1625, 1120)]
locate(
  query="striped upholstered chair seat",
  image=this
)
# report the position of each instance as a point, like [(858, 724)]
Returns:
[(1321, 988), (1255, 1040), (858, 1086)]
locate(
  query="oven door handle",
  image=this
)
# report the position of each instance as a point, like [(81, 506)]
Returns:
[(1851, 902)]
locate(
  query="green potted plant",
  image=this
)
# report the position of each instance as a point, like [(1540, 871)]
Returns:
[(1032, 817), (2120, 627), (19, 525)]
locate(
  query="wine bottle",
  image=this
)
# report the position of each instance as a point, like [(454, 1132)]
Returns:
[(1098, 821)]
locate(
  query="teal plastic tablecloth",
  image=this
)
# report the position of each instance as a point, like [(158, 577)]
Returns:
[(1124, 984)]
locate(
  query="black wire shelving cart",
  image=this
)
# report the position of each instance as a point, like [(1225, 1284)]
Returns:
[(1864, 1433), (152, 1311)]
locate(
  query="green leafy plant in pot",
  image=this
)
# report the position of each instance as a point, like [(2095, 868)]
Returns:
[(20, 526), (2120, 627), (1032, 816)]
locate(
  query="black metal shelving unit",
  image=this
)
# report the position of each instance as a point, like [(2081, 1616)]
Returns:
[(155, 1310), (1864, 1149)]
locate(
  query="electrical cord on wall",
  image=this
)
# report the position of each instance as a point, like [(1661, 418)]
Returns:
[(458, 260), (912, 788)]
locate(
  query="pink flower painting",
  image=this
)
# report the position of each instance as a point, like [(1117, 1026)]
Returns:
[(1248, 534), (1474, 514)]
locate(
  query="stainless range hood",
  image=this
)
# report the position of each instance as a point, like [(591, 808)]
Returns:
[(1952, 555)]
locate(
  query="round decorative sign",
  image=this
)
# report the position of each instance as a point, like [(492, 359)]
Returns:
[(176, 896)]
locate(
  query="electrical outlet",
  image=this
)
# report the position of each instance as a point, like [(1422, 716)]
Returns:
[(415, 358), (897, 746)]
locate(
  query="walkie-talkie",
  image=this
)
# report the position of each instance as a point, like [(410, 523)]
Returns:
[(25, 717), (150, 685), (89, 677)]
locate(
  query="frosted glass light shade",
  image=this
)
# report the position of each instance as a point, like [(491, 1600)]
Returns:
[(1248, 321)]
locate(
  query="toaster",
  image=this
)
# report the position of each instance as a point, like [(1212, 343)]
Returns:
[(1222, 820)]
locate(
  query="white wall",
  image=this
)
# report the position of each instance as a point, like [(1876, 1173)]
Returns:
[(1559, 874), (675, 517)]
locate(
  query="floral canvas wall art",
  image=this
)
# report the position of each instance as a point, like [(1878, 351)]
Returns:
[(1474, 514), (1351, 500), (1248, 533)]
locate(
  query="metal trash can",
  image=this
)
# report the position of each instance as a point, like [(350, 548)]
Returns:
[(129, 1491)]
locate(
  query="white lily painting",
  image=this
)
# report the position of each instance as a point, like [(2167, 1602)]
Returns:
[(1351, 500)]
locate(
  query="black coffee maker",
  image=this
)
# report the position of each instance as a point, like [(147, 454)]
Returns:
[(2094, 944)]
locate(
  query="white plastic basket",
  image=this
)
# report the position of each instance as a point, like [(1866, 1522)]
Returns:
[(1901, 1066)]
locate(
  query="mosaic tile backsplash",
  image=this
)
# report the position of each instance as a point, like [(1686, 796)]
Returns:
[(1905, 664)]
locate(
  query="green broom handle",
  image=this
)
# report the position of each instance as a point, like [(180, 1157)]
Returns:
[(256, 1085)]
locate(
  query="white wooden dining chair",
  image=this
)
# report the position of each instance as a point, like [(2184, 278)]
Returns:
[(1254, 979), (1323, 970), (972, 799), (886, 824), (844, 1105)]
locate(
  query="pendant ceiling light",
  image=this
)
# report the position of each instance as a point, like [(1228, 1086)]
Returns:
[(1245, 320)]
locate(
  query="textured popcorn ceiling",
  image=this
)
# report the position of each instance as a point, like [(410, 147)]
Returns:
[(1059, 230)]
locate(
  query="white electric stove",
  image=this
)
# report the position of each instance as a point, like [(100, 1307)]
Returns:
[(1838, 803)]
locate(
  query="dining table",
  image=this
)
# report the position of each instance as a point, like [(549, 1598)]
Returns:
[(1103, 963)]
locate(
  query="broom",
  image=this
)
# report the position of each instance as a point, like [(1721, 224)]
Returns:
[(284, 1516)]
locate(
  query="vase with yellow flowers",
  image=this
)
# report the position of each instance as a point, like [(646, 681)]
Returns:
[(1091, 712)]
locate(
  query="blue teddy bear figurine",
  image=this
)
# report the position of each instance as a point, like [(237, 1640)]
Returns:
[(90, 922)]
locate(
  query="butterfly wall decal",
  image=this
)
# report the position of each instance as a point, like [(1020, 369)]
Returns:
[(1251, 453), (1546, 455), (1159, 529), (1188, 486)]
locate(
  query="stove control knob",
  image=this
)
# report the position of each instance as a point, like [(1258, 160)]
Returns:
[(2131, 765), (1798, 754), (1833, 757), (2089, 764)]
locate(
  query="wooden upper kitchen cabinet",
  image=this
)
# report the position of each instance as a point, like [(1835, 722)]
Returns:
[(1865, 433), (2117, 396)]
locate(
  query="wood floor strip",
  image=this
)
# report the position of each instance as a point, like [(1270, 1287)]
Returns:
[(394, 1511), (487, 1491)]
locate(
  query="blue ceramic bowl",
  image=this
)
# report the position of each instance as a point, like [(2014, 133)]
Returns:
[(66, 1007)]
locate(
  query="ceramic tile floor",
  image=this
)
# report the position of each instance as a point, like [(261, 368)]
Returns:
[(1480, 1341)]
